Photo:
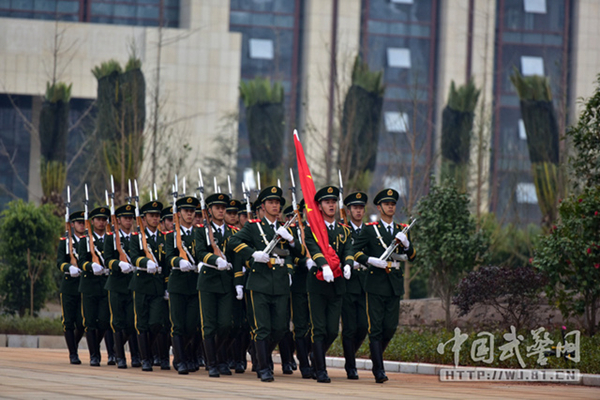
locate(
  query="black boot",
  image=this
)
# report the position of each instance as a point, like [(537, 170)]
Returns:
[(239, 354), (302, 352), (120, 349), (156, 353), (72, 346), (179, 352), (349, 355), (318, 349), (253, 359), (79, 332), (264, 371), (222, 363), (210, 350), (164, 344), (201, 353), (134, 351), (143, 339), (91, 336), (110, 347), (377, 359), (192, 352), (384, 345), (286, 356)]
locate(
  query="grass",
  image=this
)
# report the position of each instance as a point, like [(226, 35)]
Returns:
[(30, 326)]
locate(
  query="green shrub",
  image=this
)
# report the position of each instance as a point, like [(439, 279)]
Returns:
[(30, 326)]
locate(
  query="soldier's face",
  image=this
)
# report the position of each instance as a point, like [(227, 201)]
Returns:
[(126, 223), (187, 215), (168, 223), (79, 227), (328, 207), (260, 212), (387, 208), (231, 218), (272, 207), (197, 218), (152, 220), (218, 212), (243, 219), (99, 224), (357, 212)]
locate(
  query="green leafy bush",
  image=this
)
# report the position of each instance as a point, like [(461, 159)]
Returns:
[(30, 326)]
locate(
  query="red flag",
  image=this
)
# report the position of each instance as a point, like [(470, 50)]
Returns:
[(314, 216)]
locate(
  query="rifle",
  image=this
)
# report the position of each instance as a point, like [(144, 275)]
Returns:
[(177, 230), (205, 220), (246, 194), (108, 227), (68, 231), (297, 212), (229, 184), (142, 235), (277, 238), (91, 247), (343, 216), (396, 243), (117, 234)]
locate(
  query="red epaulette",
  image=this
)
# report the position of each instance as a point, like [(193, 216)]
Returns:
[(199, 226), (235, 228), (344, 225), (109, 233), (292, 225), (163, 232), (134, 233), (403, 225), (255, 221), (372, 223), (63, 238), (170, 232)]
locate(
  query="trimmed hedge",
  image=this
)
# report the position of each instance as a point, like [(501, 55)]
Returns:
[(30, 326)]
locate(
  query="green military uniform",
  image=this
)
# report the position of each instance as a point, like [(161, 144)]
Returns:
[(70, 299), (268, 284), (120, 301), (383, 286), (94, 299), (184, 309), (325, 298), (354, 305), (216, 292), (148, 288)]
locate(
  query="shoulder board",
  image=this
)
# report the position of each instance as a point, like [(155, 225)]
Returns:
[(134, 233), (292, 225), (199, 226), (235, 228), (403, 225), (255, 221), (170, 231), (109, 233), (63, 238), (372, 223), (164, 232), (344, 225)]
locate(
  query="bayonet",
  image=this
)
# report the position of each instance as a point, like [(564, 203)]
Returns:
[(343, 216), (229, 184)]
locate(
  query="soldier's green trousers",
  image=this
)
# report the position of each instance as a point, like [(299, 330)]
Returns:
[(216, 318), (300, 314), (325, 313), (354, 317), (383, 313), (269, 320), (184, 311), (150, 312), (70, 305), (121, 312), (95, 312)]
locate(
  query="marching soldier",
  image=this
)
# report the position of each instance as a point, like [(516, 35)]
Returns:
[(70, 299), (183, 297), (148, 286), (269, 276), (94, 298), (243, 215), (119, 297), (354, 307), (215, 286), (166, 219), (325, 296), (384, 283), (231, 213)]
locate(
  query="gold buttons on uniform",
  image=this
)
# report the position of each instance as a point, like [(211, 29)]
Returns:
[(371, 271), (253, 270), (273, 268)]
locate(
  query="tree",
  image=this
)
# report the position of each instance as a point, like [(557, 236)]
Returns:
[(28, 242), (357, 153), (542, 139), (447, 241), (457, 127)]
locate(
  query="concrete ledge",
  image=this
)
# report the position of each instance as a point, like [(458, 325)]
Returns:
[(590, 380), (3, 340), (22, 341), (51, 342), (408, 367)]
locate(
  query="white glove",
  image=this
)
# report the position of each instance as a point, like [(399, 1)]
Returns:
[(310, 263), (261, 257), (376, 262), (125, 267), (97, 268), (356, 265), (403, 239), (185, 266), (222, 265), (159, 269), (347, 271), (290, 279), (327, 273), (151, 267), (239, 290), (285, 234), (73, 271), (166, 296)]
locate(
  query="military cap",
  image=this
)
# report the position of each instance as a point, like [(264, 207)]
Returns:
[(166, 212), (386, 195), (271, 192), (301, 205), (199, 209), (151, 207), (126, 210), (242, 209), (100, 212), (255, 205), (217, 198), (327, 192), (233, 206), (187, 202), (289, 210), (356, 199), (77, 216)]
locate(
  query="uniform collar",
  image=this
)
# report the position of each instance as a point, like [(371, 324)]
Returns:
[(356, 227), (330, 225), (386, 225)]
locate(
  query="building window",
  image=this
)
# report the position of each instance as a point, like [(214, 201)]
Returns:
[(397, 183), (522, 131), (399, 58), (402, 1), (261, 49), (532, 66), (535, 6), (526, 193), (396, 121)]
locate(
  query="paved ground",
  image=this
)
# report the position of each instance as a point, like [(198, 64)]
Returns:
[(45, 374)]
